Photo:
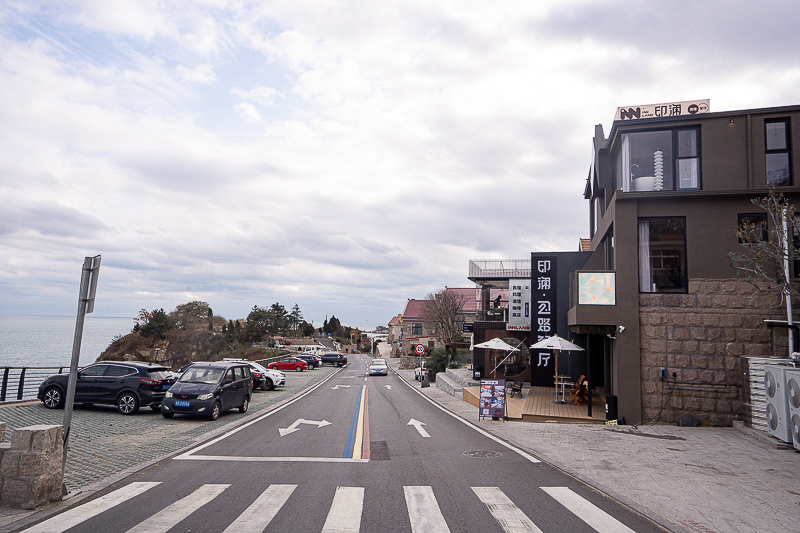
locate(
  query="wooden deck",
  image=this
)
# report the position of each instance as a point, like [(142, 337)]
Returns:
[(537, 407)]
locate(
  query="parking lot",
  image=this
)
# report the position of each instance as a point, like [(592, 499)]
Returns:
[(104, 442)]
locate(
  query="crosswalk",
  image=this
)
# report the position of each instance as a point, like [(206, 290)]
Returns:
[(344, 515)]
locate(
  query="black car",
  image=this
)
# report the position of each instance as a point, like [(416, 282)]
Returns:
[(127, 385), (312, 360), (334, 358), (208, 389)]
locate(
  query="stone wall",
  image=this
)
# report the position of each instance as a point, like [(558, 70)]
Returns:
[(30, 466), (700, 337)]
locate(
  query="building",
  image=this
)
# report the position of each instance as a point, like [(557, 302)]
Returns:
[(673, 324)]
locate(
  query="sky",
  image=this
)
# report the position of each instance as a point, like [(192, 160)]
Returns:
[(341, 156)]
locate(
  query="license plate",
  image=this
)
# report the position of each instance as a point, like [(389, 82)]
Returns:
[(182, 403), (167, 386)]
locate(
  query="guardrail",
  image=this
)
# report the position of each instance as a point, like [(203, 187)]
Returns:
[(22, 382)]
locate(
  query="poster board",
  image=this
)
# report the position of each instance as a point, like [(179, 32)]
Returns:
[(492, 398)]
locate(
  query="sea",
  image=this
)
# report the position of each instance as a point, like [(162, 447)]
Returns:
[(47, 341)]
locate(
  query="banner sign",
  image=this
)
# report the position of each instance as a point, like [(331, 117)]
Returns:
[(545, 316), (519, 305), (672, 109), (597, 288), (493, 398)]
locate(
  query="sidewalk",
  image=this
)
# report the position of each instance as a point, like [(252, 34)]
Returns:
[(708, 480)]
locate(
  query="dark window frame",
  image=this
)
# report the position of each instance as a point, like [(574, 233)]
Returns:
[(682, 269), (416, 328), (786, 150), (675, 155), (762, 218)]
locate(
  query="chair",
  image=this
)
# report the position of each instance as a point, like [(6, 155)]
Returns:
[(516, 387), (578, 391)]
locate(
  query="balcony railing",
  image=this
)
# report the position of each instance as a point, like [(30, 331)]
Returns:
[(500, 268)]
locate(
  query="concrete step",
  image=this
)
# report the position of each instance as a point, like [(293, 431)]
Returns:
[(448, 384), (463, 376)]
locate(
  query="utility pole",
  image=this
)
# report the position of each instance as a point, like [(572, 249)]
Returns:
[(91, 268)]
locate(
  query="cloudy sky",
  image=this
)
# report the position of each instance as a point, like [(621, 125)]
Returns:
[(344, 156)]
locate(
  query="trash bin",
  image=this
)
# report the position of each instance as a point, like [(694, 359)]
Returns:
[(477, 373), (611, 407)]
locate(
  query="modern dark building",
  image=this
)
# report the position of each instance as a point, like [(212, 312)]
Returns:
[(664, 313)]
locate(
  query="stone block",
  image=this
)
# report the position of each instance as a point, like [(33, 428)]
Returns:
[(694, 319), (698, 334), (21, 439), (47, 438), (689, 300), (715, 334), (37, 464), (708, 348), (679, 333), (700, 362), (672, 300), (735, 349), (10, 466), (705, 301), (2, 431), (15, 491), (730, 320), (674, 347), (691, 347)]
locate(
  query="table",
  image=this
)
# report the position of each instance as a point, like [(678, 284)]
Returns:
[(561, 381)]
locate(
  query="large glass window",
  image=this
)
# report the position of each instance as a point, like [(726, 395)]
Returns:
[(416, 328), (662, 160), (662, 255), (779, 169)]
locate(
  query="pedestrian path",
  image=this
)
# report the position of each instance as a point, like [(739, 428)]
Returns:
[(344, 514)]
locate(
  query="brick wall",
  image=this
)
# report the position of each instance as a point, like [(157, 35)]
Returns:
[(701, 336)]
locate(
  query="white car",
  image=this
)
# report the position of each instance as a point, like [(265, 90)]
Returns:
[(263, 378), (419, 372), (378, 367)]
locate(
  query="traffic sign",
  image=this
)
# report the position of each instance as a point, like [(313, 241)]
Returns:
[(419, 349)]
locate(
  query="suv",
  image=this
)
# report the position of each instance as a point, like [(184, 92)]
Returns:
[(263, 378), (334, 358), (312, 360), (127, 385), (208, 389)]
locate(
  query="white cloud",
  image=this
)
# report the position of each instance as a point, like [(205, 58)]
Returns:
[(369, 155)]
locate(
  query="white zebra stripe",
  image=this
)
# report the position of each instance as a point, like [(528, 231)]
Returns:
[(261, 512), (165, 519), (344, 515), (508, 515), (423, 510), (598, 519)]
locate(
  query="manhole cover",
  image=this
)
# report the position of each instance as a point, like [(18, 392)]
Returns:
[(482, 453)]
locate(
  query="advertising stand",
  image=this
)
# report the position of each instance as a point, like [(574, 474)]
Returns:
[(492, 399)]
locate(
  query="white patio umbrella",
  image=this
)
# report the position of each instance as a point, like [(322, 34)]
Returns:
[(497, 344), (556, 343)]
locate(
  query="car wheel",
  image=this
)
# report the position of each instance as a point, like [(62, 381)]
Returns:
[(167, 415), (215, 411), (268, 385), (245, 405), (298, 368), (273, 367), (128, 403), (52, 398)]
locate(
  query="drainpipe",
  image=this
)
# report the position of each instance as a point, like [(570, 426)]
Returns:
[(786, 292)]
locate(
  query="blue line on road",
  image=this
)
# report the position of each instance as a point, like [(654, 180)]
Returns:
[(351, 435)]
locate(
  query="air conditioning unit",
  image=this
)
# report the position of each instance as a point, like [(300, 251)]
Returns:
[(793, 396), (777, 402)]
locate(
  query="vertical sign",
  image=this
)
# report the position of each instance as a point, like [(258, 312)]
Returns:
[(493, 398), (544, 299), (519, 305)]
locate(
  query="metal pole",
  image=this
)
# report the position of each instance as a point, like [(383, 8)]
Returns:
[(786, 281), (85, 304)]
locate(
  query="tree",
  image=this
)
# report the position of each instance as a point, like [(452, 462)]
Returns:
[(441, 309), (158, 323), (768, 251), (295, 317), (191, 311), (257, 325), (279, 318)]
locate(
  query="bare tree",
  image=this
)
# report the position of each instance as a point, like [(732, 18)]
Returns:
[(441, 309)]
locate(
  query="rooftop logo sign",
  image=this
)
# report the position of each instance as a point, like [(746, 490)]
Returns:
[(673, 109)]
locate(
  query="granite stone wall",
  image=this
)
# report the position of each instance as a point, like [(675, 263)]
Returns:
[(700, 337), (30, 466)]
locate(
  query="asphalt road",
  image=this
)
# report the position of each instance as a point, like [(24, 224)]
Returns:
[(356, 453)]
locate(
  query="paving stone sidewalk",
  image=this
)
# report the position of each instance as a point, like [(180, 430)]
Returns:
[(707, 480)]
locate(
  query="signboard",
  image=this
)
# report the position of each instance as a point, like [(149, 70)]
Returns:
[(493, 398), (419, 349), (672, 109), (545, 316), (467, 327), (519, 305), (597, 288)]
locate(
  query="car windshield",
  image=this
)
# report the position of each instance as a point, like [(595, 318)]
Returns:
[(378, 362), (159, 374), (202, 375), (258, 367)]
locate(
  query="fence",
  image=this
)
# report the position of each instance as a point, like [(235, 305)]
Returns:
[(22, 382)]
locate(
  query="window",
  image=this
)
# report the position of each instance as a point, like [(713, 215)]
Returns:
[(662, 255), (416, 328), (118, 371), (661, 160), (95, 370), (779, 169), (753, 228)]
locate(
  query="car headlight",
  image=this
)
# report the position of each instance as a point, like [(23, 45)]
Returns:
[(168, 395), (206, 396)]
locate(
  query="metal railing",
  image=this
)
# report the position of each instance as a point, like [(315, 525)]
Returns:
[(500, 268), (22, 382)]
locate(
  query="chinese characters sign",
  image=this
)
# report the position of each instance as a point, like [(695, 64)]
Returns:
[(673, 109), (519, 305), (493, 398), (597, 288), (544, 299)]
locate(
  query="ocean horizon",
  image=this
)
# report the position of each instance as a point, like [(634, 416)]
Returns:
[(44, 340)]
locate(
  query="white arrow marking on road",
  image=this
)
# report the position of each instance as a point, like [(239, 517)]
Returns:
[(294, 427), (388, 387), (340, 387), (417, 424)]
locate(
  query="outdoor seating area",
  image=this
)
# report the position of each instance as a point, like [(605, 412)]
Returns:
[(537, 407)]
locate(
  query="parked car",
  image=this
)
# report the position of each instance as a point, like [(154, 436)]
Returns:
[(289, 363), (378, 367), (334, 358), (263, 378), (311, 360), (208, 389), (419, 372), (127, 385)]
